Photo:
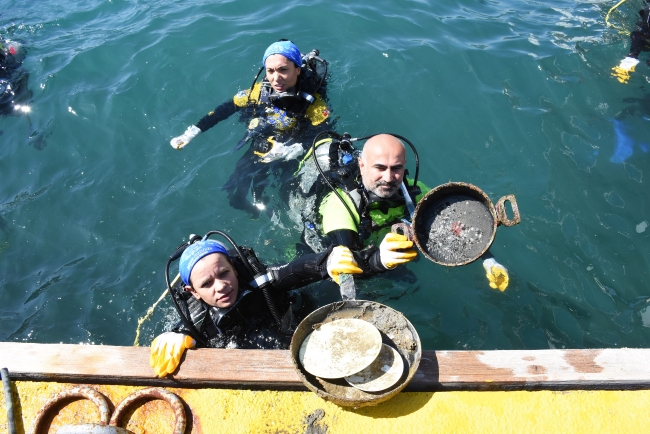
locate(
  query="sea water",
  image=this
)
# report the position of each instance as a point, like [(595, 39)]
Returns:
[(514, 97)]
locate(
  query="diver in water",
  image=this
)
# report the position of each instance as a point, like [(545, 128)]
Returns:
[(284, 112), (369, 192), (229, 299), (367, 199), (13, 79), (640, 41)]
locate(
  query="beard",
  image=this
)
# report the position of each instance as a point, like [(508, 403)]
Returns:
[(384, 189)]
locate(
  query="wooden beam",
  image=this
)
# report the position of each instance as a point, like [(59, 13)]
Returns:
[(271, 369)]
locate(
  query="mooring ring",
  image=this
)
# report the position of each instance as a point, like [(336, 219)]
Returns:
[(77, 392), (153, 392)]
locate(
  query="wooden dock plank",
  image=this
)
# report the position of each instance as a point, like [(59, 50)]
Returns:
[(270, 369)]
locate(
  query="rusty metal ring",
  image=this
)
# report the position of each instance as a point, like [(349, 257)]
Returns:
[(502, 216), (403, 229), (77, 392), (153, 392)]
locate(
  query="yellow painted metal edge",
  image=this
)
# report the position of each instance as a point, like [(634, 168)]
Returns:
[(245, 411)]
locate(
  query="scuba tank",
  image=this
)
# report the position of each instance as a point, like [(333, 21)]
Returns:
[(247, 256)]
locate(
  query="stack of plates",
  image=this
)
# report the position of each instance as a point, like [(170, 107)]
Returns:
[(351, 349)]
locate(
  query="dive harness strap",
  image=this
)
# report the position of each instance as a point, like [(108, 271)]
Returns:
[(261, 280), (307, 97)]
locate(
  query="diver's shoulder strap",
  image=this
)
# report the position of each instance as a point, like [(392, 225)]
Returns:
[(245, 97), (261, 280)]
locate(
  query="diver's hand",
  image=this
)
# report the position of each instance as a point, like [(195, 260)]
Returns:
[(167, 350), (497, 274), (396, 249), (280, 150), (341, 261), (624, 69), (185, 138)]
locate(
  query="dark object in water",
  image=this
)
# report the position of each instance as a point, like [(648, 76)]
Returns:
[(13, 78)]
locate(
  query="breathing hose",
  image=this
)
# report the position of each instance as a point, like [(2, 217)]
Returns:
[(183, 314), (325, 178)]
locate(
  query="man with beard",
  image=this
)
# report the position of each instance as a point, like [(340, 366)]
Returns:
[(374, 201)]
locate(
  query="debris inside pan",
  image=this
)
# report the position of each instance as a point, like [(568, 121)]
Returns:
[(374, 379), (458, 229)]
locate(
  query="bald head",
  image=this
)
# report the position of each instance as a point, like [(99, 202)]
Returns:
[(382, 165)]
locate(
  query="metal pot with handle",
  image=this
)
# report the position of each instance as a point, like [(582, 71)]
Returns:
[(455, 223)]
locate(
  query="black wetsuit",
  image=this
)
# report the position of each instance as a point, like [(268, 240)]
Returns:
[(13, 81), (640, 37), (249, 323)]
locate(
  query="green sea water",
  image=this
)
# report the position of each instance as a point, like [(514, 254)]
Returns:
[(514, 97)]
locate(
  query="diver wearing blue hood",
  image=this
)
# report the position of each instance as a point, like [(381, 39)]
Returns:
[(284, 112), (229, 299)]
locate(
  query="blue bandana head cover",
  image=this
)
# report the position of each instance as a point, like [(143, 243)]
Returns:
[(195, 253), (287, 48)]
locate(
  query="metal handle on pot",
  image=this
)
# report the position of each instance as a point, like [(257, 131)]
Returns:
[(404, 229), (502, 216)]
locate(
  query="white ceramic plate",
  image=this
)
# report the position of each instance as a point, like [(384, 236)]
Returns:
[(383, 372), (340, 348)]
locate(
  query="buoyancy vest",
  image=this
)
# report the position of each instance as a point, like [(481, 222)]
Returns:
[(280, 119), (284, 110)]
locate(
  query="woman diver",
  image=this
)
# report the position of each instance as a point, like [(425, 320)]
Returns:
[(284, 112)]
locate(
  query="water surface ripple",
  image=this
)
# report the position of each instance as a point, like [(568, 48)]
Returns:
[(514, 97)]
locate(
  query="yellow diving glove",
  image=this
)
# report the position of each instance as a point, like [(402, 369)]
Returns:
[(624, 69), (396, 249), (341, 261), (497, 274), (167, 350)]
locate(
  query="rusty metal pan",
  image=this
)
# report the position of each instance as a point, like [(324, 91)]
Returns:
[(455, 223), (396, 331)]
